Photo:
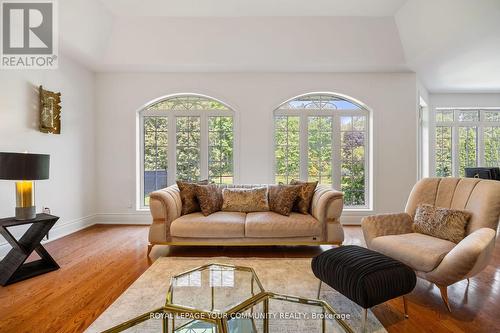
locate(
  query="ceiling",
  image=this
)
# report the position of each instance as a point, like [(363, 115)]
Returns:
[(452, 45), (238, 8)]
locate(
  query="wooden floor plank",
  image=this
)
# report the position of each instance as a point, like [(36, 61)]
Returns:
[(99, 263)]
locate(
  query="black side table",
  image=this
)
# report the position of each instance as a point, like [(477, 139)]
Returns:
[(12, 267)]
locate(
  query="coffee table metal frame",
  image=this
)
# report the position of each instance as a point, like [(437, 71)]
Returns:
[(220, 319)]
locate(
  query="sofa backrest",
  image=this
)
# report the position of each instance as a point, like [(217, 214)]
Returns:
[(477, 196)]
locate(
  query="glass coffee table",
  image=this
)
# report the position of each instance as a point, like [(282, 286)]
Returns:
[(220, 298)]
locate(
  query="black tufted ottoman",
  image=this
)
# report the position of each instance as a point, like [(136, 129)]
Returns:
[(364, 276)]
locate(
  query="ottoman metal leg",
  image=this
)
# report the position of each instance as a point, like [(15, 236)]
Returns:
[(364, 320), (405, 304), (319, 288)]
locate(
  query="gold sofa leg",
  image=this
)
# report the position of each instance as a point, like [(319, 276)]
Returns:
[(444, 296), (150, 247)]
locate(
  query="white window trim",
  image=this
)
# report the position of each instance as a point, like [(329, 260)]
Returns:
[(303, 143), (455, 124), (172, 141)]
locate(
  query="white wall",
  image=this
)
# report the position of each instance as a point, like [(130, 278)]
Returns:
[(253, 96), (465, 100), (70, 191)]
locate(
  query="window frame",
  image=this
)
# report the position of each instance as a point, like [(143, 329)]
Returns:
[(480, 126), (171, 115), (336, 157)]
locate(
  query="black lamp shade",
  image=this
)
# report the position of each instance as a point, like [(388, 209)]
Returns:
[(24, 166)]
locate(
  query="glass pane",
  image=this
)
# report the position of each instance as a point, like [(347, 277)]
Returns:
[(155, 155), (287, 159), (321, 101), (320, 149), (353, 173), (467, 115), (492, 146), (491, 115), (467, 148), (444, 166), (444, 115), (188, 102), (188, 148), (220, 149)]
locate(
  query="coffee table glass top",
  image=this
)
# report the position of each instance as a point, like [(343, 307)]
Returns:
[(221, 298), (214, 287)]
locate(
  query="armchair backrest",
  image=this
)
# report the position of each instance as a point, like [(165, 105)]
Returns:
[(477, 196)]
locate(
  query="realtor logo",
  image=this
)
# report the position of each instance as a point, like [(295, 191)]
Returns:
[(29, 38)]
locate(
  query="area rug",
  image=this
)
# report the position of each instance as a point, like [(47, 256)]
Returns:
[(284, 276)]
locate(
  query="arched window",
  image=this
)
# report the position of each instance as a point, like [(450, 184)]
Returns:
[(324, 137), (185, 137)]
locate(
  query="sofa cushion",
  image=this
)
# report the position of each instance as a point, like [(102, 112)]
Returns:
[(271, 224), (282, 198), (444, 223), (420, 252), (245, 199), (216, 225), (306, 192), (188, 196), (210, 198)]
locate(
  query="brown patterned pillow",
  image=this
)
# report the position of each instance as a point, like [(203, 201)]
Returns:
[(306, 192), (444, 223), (282, 198), (188, 196), (245, 200), (209, 197)]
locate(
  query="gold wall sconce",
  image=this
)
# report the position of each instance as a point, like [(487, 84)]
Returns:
[(50, 111)]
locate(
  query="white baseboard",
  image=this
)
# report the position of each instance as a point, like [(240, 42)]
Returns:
[(58, 231), (351, 219), (124, 218)]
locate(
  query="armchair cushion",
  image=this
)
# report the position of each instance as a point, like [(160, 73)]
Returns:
[(386, 224), (444, 223), (420, 252)]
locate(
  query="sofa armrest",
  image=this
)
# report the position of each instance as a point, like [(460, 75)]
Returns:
[(165, 206), (385, 224), (326, 207), (327, 203), (470, 256)]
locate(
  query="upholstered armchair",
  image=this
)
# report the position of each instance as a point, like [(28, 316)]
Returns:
[(440, 261)]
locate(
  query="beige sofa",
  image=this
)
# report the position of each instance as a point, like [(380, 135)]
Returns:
[(436, 260), (321, 226)]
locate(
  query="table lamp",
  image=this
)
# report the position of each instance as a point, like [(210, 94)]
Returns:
[(24, 168)]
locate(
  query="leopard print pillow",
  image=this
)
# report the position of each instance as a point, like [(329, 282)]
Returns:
[(444, 223), (306, 192), (282, 198), (188, 196), (209, 197), (245, 200)]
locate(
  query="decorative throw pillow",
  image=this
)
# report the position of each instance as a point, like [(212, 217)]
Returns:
[(282, 198), (245, 200), (306, 192), (209, 197), (444, 223), (188, 196)]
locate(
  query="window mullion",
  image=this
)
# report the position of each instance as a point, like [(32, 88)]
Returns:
[(480, 145), (455, 148), (336, 155), (172, 154), (204, 146), (303, 149)]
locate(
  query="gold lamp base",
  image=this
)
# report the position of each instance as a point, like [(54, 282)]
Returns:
[(25, 201), (25, 213)]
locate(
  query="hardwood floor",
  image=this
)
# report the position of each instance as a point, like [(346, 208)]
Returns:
[(99, 263)]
